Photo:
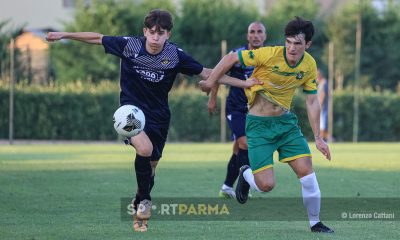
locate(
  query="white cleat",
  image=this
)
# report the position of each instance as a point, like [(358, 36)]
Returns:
[(227, 193)]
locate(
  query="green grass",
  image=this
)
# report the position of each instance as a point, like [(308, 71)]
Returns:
[(73, 191)]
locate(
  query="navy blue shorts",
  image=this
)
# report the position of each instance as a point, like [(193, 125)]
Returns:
[(158, 137), (237, 123)]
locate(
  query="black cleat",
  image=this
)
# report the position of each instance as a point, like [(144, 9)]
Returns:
[(321, 228), (242, 187)]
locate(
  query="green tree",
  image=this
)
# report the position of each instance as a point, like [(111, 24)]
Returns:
[(6, 34), (283, 11), (341, 28), (379, 59), (203, 24)]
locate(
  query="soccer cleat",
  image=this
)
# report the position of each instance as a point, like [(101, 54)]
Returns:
[(139, 225), (145, 225), (144, 209), (242, 187), (227, 193), (321, 228)]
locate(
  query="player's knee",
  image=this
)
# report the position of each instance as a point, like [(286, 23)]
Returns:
[(304, 172), (144, 150), (266, 186), (242, 142), (243, 146)]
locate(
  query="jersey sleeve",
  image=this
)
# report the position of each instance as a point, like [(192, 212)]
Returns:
[(310, 84), (255, 57), (114, 45), (187, 65)]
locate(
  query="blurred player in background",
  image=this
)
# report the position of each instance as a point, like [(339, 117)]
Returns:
[(323, 96), (236, 110)]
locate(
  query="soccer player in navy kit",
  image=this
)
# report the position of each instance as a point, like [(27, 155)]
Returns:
[(236, 110), (149, 66)]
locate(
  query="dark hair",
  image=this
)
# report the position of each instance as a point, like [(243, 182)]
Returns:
[(298, 26), (159, 18)]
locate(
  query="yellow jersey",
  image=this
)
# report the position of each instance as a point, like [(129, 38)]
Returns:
[(280, 79)]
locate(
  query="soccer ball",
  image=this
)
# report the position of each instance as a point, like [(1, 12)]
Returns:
[(129, 120)]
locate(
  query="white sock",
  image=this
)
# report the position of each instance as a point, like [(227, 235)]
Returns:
[(225, 187), (248, 175), (311, 197)]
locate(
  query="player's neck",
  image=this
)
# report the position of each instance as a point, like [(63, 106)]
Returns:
[(153, 51), (250, 47), (293, 62)]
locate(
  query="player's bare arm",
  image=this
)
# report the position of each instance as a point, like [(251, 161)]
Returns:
[(87, 37), (225, 79), (212, 100), (313, 112), (222, 67)]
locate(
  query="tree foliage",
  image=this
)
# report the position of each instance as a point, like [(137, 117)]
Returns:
[(380, 30), (200, 25), (284, 11), (77, 61), (6, 34), (203, 24)]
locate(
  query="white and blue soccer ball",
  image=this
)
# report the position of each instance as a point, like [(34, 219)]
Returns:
[(129, 120)]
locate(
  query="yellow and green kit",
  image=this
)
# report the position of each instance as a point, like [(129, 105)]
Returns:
[(265, 135)]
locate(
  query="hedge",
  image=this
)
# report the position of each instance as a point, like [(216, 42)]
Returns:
[(86, 115)]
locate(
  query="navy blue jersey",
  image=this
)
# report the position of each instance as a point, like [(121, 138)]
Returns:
[(146, 79), (236, 100)]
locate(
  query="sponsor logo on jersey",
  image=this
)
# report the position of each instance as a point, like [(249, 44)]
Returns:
[(152, 76), (298, 75)]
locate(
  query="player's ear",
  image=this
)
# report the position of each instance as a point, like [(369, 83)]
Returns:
[(144, 31), (308, 44), (169, 33)]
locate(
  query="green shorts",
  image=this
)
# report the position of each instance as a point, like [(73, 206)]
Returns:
[(265, 135)]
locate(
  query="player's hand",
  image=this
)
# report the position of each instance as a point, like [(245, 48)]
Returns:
[(323, 147), (206, 86), (212, 106), (251, 82), (54, 36)]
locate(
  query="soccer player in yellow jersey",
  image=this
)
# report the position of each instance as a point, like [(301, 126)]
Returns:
[(270, 126)]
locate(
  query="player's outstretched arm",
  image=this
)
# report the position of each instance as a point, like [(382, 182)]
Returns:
[(212, 100), (236, 82), (87, 37), (313, 112), (222, 67)]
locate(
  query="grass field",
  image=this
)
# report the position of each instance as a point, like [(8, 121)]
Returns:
[(73, 191)]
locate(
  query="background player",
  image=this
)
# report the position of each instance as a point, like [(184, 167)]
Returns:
[(236, 110)]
